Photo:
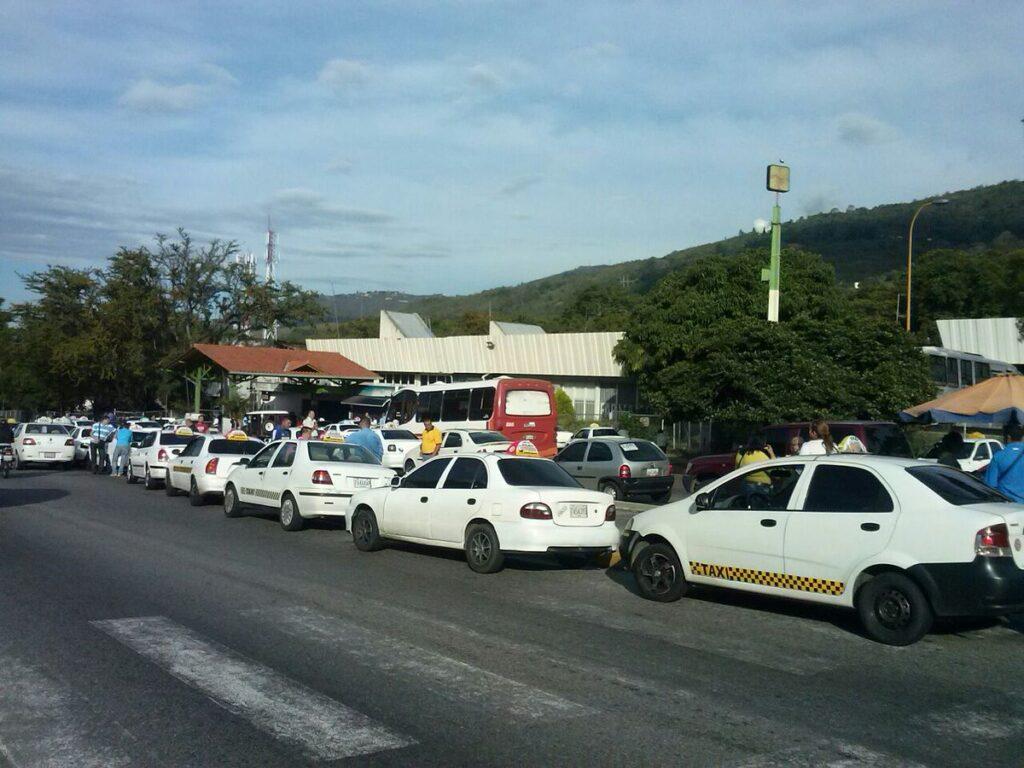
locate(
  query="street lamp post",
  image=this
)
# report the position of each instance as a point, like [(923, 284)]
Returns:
[(777, 182), (910, 246)]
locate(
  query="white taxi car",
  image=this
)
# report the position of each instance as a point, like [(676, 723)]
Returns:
[(460, 442), (303, 479), (901, 541), (487, 505), (81, 435), (202, 468), (150, 454), (974, 453), (43, 443)]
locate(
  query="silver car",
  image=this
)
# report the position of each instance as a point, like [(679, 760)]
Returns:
[(624, 468)]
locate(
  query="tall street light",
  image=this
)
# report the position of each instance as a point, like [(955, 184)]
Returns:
[(910, 246)]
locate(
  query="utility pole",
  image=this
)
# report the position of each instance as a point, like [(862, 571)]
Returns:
[(777, 182)]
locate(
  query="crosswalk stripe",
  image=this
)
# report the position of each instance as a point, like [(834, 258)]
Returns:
[(42, 723), (828, 755), (317, 724), (454, 679)]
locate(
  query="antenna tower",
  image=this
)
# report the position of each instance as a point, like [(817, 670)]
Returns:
[(272, 256)]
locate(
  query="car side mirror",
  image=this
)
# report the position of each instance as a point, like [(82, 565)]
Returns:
[(396, 481), (243, 460), (703, 501)]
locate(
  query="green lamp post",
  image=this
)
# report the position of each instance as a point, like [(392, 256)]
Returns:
[(777, 182)]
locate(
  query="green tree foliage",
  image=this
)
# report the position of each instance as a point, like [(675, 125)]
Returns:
[(604, 307), (565, 409), (701, 348)]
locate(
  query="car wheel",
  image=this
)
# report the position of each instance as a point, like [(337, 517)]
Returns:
[(18, 463), (232, 506), (195, 498), (169, 488), (132, 479), (662, 498), (365, 533), (659, 574), (151, 484), (291, 520), (894, 610), (612, 489), (483, 553)]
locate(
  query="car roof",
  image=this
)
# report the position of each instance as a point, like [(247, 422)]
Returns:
[(847, 458)]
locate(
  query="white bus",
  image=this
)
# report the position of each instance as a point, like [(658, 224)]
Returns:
[(952, 369)]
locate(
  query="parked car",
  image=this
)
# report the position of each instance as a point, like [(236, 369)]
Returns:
[(620, 467), (460, 442), (588, 432), (900, 541), (81, 437), (562, 438), (151, 451), (882, 438), (202, 467), (397, 443), (975, 453), (487, 505), (43, 443), (303, 479)]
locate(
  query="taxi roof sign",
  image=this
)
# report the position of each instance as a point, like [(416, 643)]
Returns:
[(183, 432), (237, 434)]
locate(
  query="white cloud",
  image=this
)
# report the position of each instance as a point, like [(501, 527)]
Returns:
[(150, 96), (342, 74), (303, 208), (859, 129)]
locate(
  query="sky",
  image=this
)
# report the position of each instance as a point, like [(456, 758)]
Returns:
[(448, 147)]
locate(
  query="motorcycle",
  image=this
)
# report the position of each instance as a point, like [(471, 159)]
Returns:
[(6, 459)]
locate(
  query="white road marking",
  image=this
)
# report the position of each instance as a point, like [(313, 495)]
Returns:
[(320, 726), (828, 755), (42, 723), (454, 679), (968, 722)]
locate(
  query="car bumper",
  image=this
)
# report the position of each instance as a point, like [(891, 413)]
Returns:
[(318, 503), (210, 485), (38, 456), (647, 486), (545, 536), (986, 586)]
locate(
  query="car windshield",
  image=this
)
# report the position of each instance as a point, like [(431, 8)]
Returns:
[(481, 438), (235, 447), (340, 452), (963, 452), (398, 434), (641, 450), (955, 486), (46, 429), (535, 472)]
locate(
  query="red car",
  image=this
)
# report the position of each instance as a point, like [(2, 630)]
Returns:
[(881, 437)]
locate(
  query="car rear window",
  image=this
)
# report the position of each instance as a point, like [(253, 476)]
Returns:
[(527, 402), (340, 452), (606, 432), (641, 450), (955, 486), (535, 472), (235, 447), (398, 434), (171, 439), (46, 429), (482, 438)]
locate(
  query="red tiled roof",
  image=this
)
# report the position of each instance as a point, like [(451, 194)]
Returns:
[(272, 360)]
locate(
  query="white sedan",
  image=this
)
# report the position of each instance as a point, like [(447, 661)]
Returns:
[(202, 468), (900, 541), (151, 453), (487, 505), (303, 479), (43, 443), (80, 435), (459, 442)]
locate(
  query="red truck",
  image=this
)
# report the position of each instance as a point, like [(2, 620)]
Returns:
[(881, 437)]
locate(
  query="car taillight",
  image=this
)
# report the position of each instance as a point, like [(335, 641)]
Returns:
[(609, 514), (669, 472), (322, 477), (28, 441), (70, 442), (993, 541), (211, 466), (161, 455), (535, 511), (624, 473)]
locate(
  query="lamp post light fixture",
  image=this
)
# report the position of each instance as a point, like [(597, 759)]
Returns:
[(777, 182), (910, 246)]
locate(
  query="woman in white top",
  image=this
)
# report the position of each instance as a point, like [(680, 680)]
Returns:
[(820, 442), (310, 420)]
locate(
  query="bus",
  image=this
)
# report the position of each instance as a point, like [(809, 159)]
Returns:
[(521, 409), (952, 369)]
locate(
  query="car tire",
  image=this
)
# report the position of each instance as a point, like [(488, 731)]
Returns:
[(365, 533), (612, 489), (195, 498), (894, 610), (18, 463), (132, 479), (662, 498), (659, 574), (289, 517), (232, 506), (150, 483), (169, 488), (483, 551)]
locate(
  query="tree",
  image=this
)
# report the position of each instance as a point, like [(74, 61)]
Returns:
[(605, 307), (701, 348), (565, 409)]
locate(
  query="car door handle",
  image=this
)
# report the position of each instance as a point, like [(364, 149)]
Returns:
[(260, 474), (471, 501), (423, 499), (869, 526), (768, 522), (285, 472)]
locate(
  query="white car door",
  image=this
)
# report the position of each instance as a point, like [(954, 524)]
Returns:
[(740, 534), (848, 515), (406, 510), (277, 475), (458, 500), (179, 468), (453, 443), (249, 479)]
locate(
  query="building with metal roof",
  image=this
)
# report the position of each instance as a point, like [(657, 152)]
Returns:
[(403, 325), (997, 338)]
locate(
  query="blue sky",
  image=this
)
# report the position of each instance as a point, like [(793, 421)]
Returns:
[(450, 147)]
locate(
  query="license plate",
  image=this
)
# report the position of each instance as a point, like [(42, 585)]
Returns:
[(653, 471), (362, 482), (578, 510), (49, 455)]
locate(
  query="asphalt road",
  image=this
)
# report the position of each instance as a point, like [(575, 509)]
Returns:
[(137, 630)]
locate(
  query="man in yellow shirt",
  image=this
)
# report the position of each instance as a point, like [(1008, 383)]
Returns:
[(430, 440)]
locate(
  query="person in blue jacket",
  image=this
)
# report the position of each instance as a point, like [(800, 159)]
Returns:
[(1005, 472), (367, 438)]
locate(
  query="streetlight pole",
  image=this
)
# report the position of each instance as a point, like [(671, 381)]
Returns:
[(910, 247), (777, 182)]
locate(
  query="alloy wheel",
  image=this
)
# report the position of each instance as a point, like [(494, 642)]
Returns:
[(480, 547), (657, 573)]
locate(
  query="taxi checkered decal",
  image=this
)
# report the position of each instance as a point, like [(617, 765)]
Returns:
[(768, 578), (263, 494)]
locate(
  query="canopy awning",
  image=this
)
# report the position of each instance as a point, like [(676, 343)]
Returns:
[(999, 400)]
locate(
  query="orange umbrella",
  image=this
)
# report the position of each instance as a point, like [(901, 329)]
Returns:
[(999, 400)]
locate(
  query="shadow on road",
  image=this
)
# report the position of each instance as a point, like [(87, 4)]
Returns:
[(20, 497)]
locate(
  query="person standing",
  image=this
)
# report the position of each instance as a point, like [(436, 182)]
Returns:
[(310, 420), (820, 442), (951, 448), (6, 432), (755, 483), (430, 439), (794, 445), (367, 438), (122, 449), (1005, 472), (101, 433), (283, 430)]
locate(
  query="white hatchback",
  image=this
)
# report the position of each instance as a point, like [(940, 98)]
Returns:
[(487, 505), (460, 442), (43, 443), (201, 469), (303, 479), (901, 541)]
